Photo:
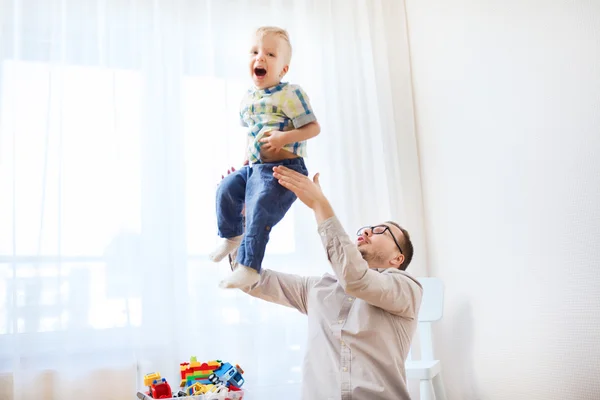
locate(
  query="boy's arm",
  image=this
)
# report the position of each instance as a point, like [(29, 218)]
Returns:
[(278, 139), (296, 106), (305, 132)]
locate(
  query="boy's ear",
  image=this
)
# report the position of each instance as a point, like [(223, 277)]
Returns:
[(284, 71)]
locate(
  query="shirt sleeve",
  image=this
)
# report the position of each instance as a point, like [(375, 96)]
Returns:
[(396, 292), (242, 122), (243, 108), (283, 289), (296, 106)]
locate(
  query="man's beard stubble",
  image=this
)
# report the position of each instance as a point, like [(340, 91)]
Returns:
[(372, 258)]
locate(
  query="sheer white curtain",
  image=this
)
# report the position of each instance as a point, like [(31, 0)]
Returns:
[(117, 118)]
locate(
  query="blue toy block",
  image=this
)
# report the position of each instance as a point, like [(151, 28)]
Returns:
[(202, 381), (229, 374)]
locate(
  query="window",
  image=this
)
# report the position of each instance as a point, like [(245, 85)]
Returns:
[(69, 141)]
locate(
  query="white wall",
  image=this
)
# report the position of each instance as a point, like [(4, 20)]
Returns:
[(507, 100)]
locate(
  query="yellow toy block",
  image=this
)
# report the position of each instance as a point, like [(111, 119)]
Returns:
[(149, 378), (210, 388), (198, 388)]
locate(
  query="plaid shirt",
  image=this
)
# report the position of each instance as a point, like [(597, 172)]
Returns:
[(282, 108)]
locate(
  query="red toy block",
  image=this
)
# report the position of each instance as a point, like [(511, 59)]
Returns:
[(161, 389)]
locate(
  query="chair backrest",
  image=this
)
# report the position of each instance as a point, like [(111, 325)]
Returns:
[(432, 309), (432, 304)]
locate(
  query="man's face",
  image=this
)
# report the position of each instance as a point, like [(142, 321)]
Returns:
[(268, 60), (378, 248)]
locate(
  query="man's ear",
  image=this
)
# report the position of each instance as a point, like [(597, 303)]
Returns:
[(284, 71), (397, 261)]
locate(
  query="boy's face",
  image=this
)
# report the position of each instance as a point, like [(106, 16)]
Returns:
[(269, 56)]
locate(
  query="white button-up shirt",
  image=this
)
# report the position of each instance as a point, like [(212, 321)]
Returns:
[(360, 322)]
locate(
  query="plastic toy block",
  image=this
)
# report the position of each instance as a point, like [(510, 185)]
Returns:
[(230, 374), (197, 375), (210, 365), (194, 370), (202, 381), (151, 377), (198, 378), (195, 379), (160, 389), (198, 388), (220, 389), (205, 371)]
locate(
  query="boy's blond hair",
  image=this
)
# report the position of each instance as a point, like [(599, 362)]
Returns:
[(282, 33)]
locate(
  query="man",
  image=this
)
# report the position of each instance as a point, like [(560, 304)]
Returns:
[(362, 319)]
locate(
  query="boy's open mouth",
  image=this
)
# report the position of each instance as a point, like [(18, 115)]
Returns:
[(260, 72)]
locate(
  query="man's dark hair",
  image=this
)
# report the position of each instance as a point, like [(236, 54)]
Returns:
[(407, 246)]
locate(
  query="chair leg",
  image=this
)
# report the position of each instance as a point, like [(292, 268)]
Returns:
[(438, 387), (427, 392)]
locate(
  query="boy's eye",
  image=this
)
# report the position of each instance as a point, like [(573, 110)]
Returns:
[(271, 55)]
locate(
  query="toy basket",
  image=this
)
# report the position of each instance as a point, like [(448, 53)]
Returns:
[(211, 380), (214, 396)]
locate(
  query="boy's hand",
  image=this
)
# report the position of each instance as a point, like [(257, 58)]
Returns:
[(273, 140)]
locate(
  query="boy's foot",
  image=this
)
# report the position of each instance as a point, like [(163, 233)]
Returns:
[(241, 277), (224, 248)]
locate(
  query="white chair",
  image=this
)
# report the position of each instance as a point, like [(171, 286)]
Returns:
[(428, 370)]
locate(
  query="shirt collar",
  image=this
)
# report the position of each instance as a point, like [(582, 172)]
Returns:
[(270, 90)]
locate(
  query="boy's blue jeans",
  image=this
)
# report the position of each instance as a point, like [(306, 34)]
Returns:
[(266, 203)]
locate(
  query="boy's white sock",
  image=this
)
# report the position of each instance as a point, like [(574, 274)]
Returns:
[(224, 248), (241, 277)]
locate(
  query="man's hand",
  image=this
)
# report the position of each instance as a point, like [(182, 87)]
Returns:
[(273, 140), (308, 191), (229, 171)]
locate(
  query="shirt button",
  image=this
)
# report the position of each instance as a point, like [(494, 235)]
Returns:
[(345, 369), (350, 299), (341, 321), (343, 344)]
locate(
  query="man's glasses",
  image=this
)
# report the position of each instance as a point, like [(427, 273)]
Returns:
[(379, 230)]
